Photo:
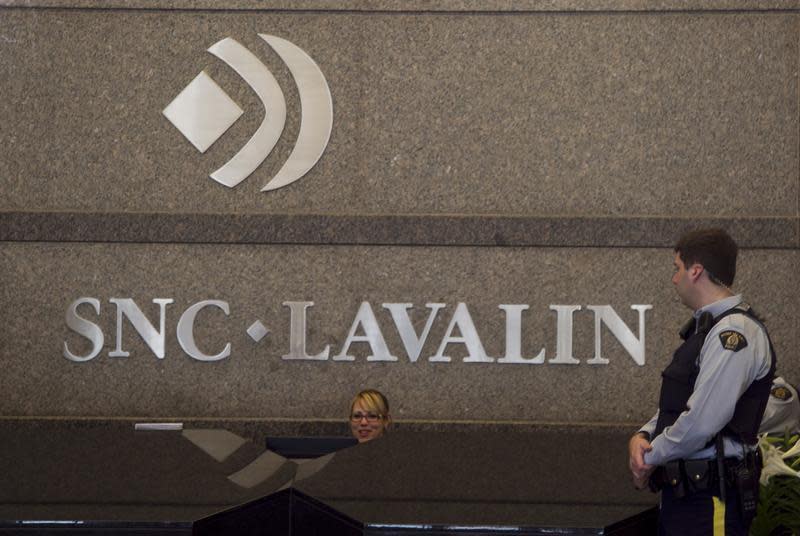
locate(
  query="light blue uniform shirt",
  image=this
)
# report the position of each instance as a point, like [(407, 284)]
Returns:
[(723, 377)]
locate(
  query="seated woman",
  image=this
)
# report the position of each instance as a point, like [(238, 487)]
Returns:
[(369, 415)]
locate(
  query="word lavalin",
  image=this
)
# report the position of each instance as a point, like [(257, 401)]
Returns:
[(366, 322)]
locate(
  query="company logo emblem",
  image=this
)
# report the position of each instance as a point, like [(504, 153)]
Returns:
[(202, 112)]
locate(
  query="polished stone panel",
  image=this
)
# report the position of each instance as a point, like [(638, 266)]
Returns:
[(62, 478), (609, 113), (453, 477), (105, 477), (40, 280), (482, 152)]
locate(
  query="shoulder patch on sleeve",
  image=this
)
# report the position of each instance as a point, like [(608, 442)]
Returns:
[(781, 393), (732, 340)]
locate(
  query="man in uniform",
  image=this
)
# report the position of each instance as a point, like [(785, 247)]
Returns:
[(700, 447)]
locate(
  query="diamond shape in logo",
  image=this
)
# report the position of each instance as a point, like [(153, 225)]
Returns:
[(202, 112), (257, 331)]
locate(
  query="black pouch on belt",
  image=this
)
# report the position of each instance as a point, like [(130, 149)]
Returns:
[(673, 474), (699, 474)]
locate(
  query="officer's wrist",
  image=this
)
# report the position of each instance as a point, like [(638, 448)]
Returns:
[(644, 435)]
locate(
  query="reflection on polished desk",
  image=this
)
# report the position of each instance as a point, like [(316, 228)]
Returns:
[(96, 479)]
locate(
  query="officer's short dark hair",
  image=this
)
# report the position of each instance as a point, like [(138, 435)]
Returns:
[(714, 249)]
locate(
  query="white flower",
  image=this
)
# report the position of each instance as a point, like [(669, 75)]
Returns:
[(773, 462), (794, 451)]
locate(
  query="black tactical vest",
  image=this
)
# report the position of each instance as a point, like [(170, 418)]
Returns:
[(677, 383)]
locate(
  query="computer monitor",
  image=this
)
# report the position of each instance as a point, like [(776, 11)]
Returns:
[(308, 447)]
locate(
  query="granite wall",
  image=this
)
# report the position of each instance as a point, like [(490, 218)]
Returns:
[(490, 153)]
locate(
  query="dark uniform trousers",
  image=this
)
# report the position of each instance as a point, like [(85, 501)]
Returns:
[(701, 514)]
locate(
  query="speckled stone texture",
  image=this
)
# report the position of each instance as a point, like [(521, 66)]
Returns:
[(534, 152), (420, 230), (40, 280), (613, 113), (421, 5)]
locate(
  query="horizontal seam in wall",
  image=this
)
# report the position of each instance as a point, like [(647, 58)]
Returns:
[(391, 230)]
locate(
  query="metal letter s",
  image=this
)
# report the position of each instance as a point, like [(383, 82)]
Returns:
[(81, 326)]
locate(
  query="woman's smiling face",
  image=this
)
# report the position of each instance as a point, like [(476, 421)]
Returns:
[(366, 424)]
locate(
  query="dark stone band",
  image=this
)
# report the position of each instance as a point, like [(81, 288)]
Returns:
[(395, 230)]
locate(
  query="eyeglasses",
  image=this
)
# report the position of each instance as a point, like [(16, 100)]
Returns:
[(371, 417)]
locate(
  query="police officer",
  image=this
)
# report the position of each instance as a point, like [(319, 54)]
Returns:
[(699, 449)]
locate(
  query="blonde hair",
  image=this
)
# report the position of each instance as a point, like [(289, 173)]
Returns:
[(372, 400)]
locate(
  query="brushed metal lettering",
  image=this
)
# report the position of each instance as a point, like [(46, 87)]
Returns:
[(605, 314), (126, 307), (469, 338), (564, 334), (412, 344), (366, 329), (372, 336), (186, 331), (297, 333), (84, 327), (514, 337)]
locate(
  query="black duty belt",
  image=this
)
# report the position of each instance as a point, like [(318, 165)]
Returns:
[(690, 476)]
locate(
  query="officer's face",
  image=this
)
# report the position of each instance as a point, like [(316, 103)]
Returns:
[(681, 280)]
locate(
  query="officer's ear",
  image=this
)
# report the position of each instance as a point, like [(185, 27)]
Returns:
[(695, 271)]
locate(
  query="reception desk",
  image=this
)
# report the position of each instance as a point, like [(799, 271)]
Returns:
[(96, 478)]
